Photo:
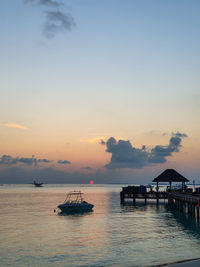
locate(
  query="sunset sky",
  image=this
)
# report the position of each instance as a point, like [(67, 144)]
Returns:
[(106, 90)]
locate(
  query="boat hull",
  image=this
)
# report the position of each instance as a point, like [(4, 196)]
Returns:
[(75, 208)]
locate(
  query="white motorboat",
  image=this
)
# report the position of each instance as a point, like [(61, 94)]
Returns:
[(75, 203)]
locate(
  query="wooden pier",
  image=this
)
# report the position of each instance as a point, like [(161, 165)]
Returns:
[(182, 201), (146, 196)]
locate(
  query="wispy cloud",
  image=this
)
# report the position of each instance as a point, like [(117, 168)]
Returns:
[(32, 161), (88, 168), (9, 160), (15, 125), (63, 161), (155, 133), (56, 20), (45, 2)]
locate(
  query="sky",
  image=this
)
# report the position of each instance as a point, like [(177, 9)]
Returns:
[(103, 90)]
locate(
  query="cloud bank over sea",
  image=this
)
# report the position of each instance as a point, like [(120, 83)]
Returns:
[(125, 161), (124, 155)]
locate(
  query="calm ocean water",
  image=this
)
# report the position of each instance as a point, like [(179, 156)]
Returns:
[(31, 234)]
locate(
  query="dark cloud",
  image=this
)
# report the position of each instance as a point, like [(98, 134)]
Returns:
[(56, 20), (88, 168), (9, 160), (124, 155), (159, 153), (102, 142), (63, 161), (179, 134)]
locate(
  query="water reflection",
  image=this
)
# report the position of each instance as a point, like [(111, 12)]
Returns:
[(85, 235), (128, 206), (75, 213), (163, 219), (188, 224)]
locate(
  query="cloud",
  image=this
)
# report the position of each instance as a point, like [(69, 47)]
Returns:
[(159, 153), (156, 133), (45, 2), (179, 134), (14, 125), (9, 160), (102, 142), (56, 20), (124, 155), (88, 168), (63, 161)]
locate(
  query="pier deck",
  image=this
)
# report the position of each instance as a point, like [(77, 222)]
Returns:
[(146, 195), (183, 201)]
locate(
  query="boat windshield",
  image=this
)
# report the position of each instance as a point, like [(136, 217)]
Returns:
[(74, 197)]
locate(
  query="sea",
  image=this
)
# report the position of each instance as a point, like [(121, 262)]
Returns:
[(32, 234)]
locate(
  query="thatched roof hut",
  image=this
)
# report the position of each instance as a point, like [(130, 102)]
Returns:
[(170, 175)]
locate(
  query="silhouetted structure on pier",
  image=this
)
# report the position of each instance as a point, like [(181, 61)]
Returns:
[(183, 200), (169, 176)]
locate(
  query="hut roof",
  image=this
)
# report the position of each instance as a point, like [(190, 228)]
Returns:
[(170, 175)]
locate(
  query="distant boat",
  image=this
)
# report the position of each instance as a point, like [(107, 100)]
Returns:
[(37, 184), (75, 203)]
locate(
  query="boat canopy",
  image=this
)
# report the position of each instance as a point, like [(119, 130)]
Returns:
[(74, 197)]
